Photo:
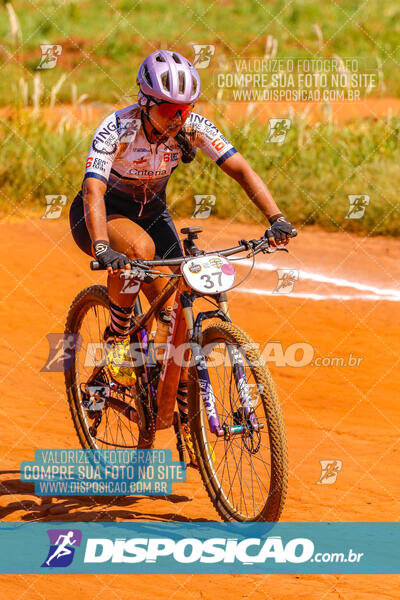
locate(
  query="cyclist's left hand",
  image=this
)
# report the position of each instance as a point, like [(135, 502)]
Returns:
[(280, 231)]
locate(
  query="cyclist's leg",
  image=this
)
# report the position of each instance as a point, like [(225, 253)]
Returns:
[(125, 236), (168, 245), (159, 227), (133, 239)]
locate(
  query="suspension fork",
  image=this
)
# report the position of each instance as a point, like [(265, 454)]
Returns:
[(195, 338), (242, 386), (239, 372), (203, 375)]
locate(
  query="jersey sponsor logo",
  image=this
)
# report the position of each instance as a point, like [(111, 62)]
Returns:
[(147, 173), (208, 134), (139, 161), (198, 119), (96, 163), (105, 141), (140, 150), (170, 156), (218, 144), (99, 164), (171, 147)]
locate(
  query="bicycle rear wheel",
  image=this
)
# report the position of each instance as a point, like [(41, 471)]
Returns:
[(245, 474), (123, 421)]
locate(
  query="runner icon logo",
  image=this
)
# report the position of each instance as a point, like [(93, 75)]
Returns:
[(50, 54), (278, 129), (202, 55), (357, 206), (54, 206), (329, 471), (286, 281), (63, 543), (62, 347), (203, 206)]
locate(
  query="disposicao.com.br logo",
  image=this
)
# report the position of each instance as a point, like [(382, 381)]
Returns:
[(212, 550), (221, 552)]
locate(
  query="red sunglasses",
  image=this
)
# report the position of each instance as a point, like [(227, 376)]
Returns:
[(169, 110)]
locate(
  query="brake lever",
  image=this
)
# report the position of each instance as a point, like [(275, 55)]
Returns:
[(270, 250), (138, 274)]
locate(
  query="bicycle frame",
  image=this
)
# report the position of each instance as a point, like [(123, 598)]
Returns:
[(181, 323), (185, 330)]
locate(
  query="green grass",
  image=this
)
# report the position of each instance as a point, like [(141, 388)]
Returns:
[(104, 42), (310, 174)]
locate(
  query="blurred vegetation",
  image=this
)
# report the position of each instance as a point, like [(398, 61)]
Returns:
[(103, 43), (310, 174)]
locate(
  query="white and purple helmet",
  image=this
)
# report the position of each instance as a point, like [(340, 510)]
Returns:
[(170, 77)]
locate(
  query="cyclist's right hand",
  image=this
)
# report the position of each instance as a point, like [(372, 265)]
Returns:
[(109, 258)]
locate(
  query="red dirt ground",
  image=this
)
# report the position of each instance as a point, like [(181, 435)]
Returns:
[(349, 414)]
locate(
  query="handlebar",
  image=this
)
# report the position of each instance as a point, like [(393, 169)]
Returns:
[(254, 245)]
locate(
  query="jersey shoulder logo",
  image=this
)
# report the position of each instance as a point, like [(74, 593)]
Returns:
[(105, 140)]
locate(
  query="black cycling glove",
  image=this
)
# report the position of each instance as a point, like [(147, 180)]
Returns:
[(281, 229), (188, 150), (108, 257)]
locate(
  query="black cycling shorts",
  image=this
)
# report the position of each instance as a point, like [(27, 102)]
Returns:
[(155, 220)]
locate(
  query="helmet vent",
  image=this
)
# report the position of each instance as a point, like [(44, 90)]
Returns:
[(194, 85), (160, 58), (146, 75), (181, 76), (165, 81), (176, 58)]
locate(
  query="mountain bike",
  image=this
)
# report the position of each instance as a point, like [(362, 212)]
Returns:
[(235, 416)]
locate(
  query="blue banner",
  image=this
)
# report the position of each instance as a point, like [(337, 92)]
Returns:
[(200, 548)]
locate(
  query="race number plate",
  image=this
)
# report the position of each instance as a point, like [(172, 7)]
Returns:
[(209, 274)]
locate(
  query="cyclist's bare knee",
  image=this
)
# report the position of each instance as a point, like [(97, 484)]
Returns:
[(129, 238)]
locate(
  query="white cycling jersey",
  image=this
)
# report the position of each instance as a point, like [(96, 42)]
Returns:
[(122, 157)]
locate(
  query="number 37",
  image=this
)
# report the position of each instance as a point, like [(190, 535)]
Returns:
[(208, 282)]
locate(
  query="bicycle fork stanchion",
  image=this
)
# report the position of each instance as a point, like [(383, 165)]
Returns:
[(206, 390), (243, 387)]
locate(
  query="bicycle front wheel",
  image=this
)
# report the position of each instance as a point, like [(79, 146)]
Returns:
[(245, 474)]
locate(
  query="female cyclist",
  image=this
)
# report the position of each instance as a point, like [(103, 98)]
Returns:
[(121, 211)]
